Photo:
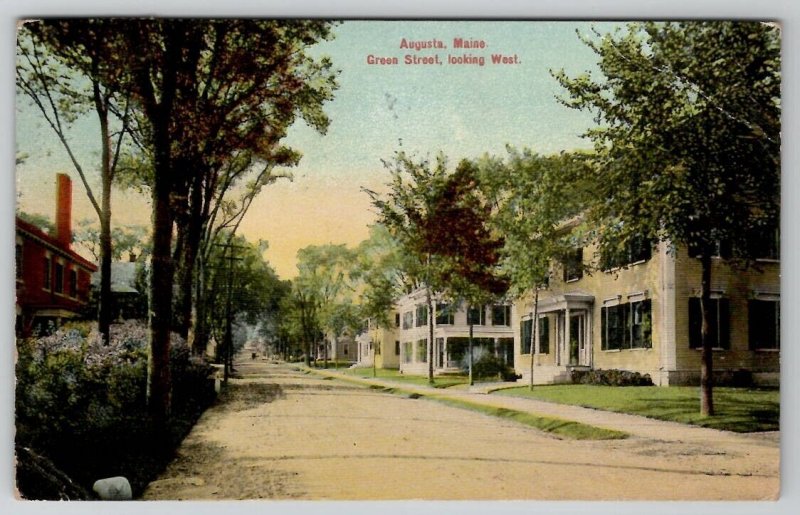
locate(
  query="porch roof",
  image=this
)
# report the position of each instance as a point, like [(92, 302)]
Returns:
[(573, 300)]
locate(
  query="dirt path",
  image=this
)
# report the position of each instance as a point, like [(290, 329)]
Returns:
[(282, 434)]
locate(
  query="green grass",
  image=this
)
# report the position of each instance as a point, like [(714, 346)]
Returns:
[(555, 426), (560, 427), (395, 375), (736, 409)]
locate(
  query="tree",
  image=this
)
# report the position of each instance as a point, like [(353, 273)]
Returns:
[(193, 80), (438, 221), (408, 211), (533, 196), (126, 240), (324, 294), (62, 78), (687, 142), (468, 246), (255, 289), (379, 272)]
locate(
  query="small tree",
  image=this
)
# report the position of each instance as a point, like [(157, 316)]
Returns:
[(63, 78), (410, 212), (687, 143), (532, 196)]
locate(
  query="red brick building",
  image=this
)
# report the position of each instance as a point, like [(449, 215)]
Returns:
[(53, 281)]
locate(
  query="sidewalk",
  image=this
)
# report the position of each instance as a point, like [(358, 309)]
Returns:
[(632, 424)]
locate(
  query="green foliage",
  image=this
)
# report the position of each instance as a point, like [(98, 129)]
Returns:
[(125, 240), (41, 221), (256, 290), (611, 377), (82, 403), (490, 366), (687, 143), (534, 196)]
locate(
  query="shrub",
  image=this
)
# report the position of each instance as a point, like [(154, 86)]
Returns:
[(488, 365), (611, 377), (83, 403)]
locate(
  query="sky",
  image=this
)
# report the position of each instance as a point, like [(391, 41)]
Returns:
[(462, 110)]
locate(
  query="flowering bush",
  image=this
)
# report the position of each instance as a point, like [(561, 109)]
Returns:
[(77, 395)]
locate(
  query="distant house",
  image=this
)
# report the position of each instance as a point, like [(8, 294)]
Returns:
[(338, 348), (127, 301), (53, 281), (406, 347), (641, 312), (380, 344)]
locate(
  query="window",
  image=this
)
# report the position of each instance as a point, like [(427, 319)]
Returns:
[(764, 324), (422, 315), (397, 319), (476, 315), (59, 286), (407, 352), (627, 326), (18, 260), (345, 349), (444, 314), (408, 320), (544, 335), (396, 348), (767, 245), (46, 273), (422, 351), (501, 315), (640, 324), (526, 327), (637, 250), (73, 283), (573, 265), (613, 327), (719, 323)]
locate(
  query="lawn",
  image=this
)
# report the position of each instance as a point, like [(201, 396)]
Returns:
[(737, 409), (395, 375)]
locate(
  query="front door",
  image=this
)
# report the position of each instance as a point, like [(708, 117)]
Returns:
[(577, 339)]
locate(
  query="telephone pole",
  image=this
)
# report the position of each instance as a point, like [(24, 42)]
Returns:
[(228, 260)]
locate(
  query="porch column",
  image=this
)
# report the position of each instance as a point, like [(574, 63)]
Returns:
[(566, 343)]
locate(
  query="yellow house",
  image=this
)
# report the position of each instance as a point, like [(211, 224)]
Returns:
[(492, 333), (379, 343), (643, 315)]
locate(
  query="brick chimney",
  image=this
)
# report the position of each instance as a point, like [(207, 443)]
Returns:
[(63, 209)]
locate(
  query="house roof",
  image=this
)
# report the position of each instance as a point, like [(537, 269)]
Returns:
[(123, 277), (31, 231)]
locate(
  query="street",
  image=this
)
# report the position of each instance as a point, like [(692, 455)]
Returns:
[(280, 433)]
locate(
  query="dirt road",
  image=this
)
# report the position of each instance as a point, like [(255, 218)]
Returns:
[(282, 434)]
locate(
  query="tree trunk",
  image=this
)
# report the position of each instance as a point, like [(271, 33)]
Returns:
[(429, 301), (706, 364), (159, 381), (471, 325), (191, 246), (200, 336), (534, 324), (104, 311)]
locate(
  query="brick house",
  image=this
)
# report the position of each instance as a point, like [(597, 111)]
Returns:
[(53, 281)]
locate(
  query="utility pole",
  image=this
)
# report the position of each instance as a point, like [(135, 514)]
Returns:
[(228, 260)]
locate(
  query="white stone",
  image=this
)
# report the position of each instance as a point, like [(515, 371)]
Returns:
[(113, 489)]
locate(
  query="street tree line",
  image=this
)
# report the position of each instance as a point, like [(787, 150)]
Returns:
[(686, 150), (192, 112)]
